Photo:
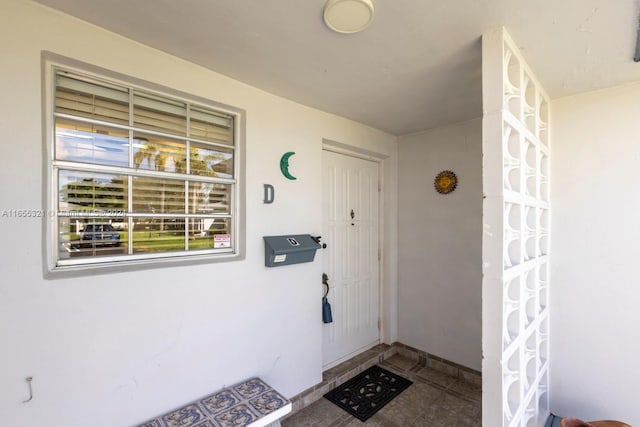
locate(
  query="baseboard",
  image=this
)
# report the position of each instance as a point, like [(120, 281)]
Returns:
[(440, 364)]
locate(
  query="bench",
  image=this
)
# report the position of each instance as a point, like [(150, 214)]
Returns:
[(250, 403)]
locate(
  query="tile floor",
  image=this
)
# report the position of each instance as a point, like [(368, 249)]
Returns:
[(435, 399)]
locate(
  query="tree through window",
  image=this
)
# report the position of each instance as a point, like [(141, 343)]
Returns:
[(139, 175)]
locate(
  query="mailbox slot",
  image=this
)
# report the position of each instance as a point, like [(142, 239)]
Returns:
[(289, 249)]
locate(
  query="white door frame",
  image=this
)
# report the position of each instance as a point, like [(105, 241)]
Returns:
[(351, 151)]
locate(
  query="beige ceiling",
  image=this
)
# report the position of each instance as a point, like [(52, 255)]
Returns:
[(416, 67)]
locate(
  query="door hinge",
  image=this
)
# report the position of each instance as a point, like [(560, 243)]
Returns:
[(379, 324), (379, 254)]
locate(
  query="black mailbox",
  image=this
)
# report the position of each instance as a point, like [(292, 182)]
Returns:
[(287, 250)]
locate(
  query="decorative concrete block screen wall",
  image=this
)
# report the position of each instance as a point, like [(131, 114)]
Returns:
[(516, 238)]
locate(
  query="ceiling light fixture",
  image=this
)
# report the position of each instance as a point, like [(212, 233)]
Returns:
[(348, 16)]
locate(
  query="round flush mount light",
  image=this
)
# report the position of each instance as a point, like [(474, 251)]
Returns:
[(348, 16)]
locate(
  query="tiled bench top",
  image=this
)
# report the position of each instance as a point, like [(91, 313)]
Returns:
[(250, 403)]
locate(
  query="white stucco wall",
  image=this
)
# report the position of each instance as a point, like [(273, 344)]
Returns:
[(440, 244), (595, 321), (116, 349)]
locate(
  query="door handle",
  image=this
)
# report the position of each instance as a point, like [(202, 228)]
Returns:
[(325, 281)]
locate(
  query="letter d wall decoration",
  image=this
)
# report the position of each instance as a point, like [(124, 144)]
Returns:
[(269, 194)]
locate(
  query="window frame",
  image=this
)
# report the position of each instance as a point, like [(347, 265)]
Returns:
[(55, 266)]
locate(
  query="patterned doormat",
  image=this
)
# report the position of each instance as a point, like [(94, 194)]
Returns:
[(366, 393)]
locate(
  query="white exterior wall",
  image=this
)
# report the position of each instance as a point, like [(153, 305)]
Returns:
[(117, 349), (595, 320), (440, 244)]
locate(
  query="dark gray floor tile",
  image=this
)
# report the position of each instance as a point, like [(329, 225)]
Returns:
[(434, 376), (400, 362), (319, 414), (467, 390)]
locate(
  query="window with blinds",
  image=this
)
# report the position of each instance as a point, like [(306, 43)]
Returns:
[(139, 175)]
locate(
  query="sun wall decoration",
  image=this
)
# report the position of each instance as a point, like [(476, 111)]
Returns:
[(445, 182)]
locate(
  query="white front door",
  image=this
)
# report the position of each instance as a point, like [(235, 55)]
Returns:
[(350, 228)]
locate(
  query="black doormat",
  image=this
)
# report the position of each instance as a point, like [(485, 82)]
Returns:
[(366, 393)]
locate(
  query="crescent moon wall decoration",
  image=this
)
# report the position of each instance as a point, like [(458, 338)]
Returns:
[(284, 165)]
